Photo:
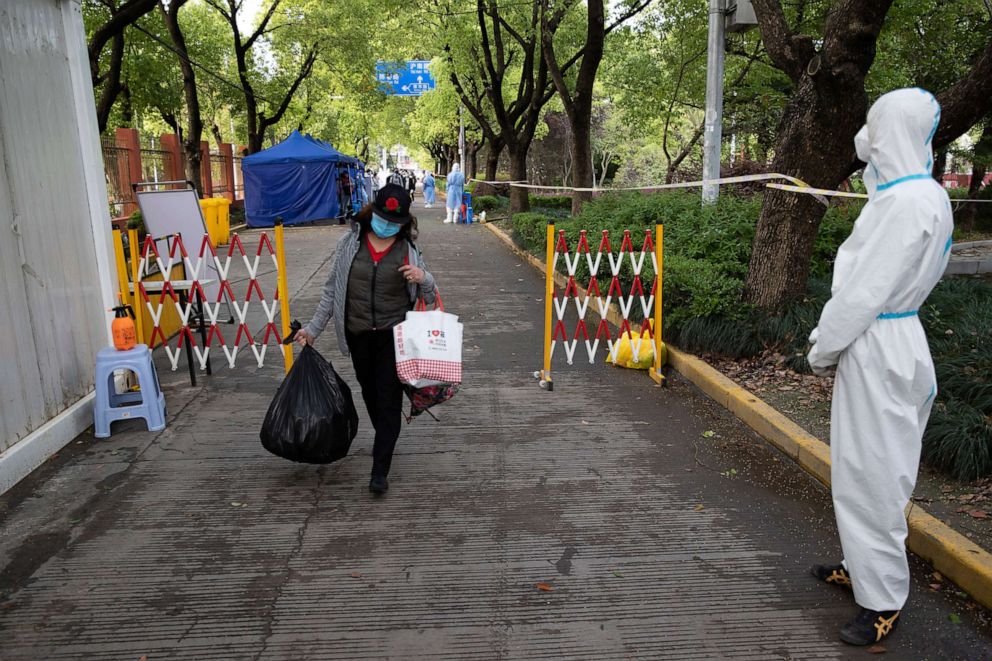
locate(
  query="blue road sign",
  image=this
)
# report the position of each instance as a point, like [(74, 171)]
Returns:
[(410, 78)]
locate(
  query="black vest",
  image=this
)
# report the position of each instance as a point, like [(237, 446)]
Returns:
[(378, 297)]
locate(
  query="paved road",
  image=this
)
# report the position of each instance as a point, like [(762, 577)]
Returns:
[(657, 542)]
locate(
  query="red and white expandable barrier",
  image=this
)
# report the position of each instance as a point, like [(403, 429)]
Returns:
[(604, 274), (195, 271)]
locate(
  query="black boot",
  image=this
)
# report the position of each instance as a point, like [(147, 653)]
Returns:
[(832, 574), (869, 627), (379, 484)]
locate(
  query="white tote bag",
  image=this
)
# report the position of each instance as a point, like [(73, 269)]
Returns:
[(428, 348)]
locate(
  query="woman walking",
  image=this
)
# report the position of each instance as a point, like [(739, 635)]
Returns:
[(377, 276)]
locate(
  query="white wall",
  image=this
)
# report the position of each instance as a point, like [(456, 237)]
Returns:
[(56, 270)]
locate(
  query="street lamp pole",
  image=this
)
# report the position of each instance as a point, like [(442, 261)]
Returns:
[(713, 133)]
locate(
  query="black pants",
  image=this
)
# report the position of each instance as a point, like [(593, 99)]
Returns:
[(374, 358)]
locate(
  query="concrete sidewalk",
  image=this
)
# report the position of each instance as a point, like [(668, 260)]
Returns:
[(657, 542)]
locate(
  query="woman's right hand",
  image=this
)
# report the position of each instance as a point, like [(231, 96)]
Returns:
[(303, 338)]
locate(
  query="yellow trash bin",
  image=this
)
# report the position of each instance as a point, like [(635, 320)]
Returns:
[(209, 206), (223, 219)]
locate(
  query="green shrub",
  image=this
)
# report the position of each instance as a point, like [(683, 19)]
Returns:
[(958, 321), (490, 203), (551, 201), (136, 222), (530, 230)]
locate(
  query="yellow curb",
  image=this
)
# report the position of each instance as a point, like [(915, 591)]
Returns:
[(950, 552)]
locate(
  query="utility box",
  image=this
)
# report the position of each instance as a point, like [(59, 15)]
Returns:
[(740, 16)]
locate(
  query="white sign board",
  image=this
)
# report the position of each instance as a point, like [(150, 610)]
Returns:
[(170, 212)]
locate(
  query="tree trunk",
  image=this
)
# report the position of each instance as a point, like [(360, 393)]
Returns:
[(112, 86), (191, 143), (473, 161), (939, 165), (218, 138), (519, 197), (256, 138), (127, 107), (968, 213), (816, 144), (582, 174), (493, 152)]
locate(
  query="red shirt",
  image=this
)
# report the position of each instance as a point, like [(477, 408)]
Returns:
[(376, 255)]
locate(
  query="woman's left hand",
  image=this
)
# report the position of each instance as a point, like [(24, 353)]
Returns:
[(412, 273)]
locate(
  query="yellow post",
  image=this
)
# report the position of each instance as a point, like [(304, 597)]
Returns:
[(132, 239), (659, 344), (549, 295), (121, 261), (287, 349)]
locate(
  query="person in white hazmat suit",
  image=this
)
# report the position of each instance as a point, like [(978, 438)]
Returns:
[(885, 383), (453, 192)]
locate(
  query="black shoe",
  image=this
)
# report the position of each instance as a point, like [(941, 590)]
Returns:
[(833, 574), (378, 484), (869, 627)]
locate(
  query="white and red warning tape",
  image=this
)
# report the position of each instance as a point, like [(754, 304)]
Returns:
[(796, 186)]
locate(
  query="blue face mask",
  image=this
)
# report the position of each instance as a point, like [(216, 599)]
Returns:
[(383, 228)]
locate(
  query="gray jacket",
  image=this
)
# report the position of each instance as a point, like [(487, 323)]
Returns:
[(333, 300)]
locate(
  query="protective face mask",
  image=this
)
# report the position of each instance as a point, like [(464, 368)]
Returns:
[(862, 146), (383, 228)]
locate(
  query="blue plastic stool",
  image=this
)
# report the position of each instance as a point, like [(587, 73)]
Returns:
[(148, 403)]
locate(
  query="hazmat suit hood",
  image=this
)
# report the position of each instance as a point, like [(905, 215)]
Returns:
[(896, 141)]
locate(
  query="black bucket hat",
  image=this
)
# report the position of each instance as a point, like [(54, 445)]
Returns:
[(392, 203)]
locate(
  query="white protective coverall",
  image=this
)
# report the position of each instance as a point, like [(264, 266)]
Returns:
[(453, 193), (870, 328)]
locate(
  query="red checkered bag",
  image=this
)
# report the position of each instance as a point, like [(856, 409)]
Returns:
[(428, 347)]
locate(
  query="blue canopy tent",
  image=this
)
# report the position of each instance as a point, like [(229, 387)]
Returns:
[(296, 179), (355, 169)]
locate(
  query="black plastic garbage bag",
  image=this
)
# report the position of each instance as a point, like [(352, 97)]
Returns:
[(312, 418)]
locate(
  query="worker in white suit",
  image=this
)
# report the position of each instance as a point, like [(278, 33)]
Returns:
[(885, 383), (453, 193)]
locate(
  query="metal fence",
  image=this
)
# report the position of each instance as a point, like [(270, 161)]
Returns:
[(117, 171), (218, 174), (156, 164)]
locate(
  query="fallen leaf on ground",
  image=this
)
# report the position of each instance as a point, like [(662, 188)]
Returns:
[(877, 649), (935, 586), (978, 514), (954, 618), (356, 574), (544, 587), (709, 434), (699, 508), (618, 574), (237, 504)]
